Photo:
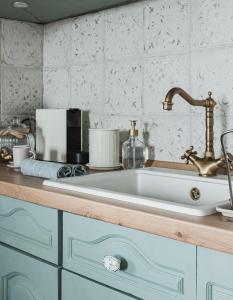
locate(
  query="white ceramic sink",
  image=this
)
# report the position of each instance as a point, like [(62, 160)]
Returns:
[(152, 187)]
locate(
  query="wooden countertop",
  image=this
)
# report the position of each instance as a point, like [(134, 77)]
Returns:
[(215, 232)]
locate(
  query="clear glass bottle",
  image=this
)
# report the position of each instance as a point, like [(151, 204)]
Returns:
[(133, 150)]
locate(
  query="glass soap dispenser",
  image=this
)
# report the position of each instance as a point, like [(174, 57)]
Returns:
[(133, 150)]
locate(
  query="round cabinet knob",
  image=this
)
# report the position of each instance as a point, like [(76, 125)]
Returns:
[(112, 263)]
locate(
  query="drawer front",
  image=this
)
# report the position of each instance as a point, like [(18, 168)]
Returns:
[(75, 287), (26, 278), (214, 275), (152, 267), (29, 227)]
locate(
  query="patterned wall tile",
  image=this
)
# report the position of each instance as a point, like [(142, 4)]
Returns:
[(21, 90), (115, 91), (87, 87), (123, 90), (210, 21), (57, 44), (6, 119), (21, 44), (212, 70), (121, 122), (88, 38), (124, 32), (166, 27), (162, 74), (97, 120), (56, 88), (170, 136)]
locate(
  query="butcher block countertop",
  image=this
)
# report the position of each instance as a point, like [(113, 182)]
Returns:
[(215, 231)]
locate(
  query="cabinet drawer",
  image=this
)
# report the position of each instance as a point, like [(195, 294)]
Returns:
[(75, 287), (26, 278), (29, 227), (152, 267), (214, 275)]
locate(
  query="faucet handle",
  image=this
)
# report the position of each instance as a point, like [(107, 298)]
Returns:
[(190, 150), (186, 159), (187, 153)]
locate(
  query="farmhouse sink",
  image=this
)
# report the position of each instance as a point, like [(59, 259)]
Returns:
[(171, 190)]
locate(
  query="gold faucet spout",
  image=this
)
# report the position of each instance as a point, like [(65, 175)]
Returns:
[(208, 165), (167, 104)]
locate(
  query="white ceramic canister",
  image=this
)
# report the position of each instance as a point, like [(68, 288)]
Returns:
[(104, 148)]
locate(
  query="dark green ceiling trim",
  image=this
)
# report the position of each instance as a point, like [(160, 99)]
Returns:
[(45, 11)]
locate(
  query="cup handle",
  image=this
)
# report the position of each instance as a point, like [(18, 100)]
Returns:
[(32, 154)]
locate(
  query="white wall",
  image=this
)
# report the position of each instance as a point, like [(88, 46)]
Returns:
[(20, 69), (120, 63)]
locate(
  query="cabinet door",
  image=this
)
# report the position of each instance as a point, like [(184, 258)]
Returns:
[(25, 278), (29, 227), (214, 275), (75, 287), (152, 267)]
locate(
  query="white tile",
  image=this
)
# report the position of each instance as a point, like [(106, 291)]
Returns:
[(212, 70), (212, 23), (221, 124), (6, 119), (21, 90), (166, 27), (56, 88), (121, 122), (97, 120), (57, 44), (124, 31), (21, 44), (162, 74), (88, 38), (170, 136), (123, 90), (87, 89)]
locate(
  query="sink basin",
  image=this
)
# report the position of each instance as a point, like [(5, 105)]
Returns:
[(171, 190)]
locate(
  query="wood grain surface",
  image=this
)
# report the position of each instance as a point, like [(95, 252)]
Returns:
[(215, 232)]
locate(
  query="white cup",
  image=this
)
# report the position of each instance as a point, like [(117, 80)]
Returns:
[(104, 148), (21, 152)]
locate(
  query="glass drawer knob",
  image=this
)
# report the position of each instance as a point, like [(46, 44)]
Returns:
[(112, 263)]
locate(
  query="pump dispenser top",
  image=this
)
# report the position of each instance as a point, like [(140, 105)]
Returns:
[(133, 131)]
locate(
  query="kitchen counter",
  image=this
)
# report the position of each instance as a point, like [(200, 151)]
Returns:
[(215, 231)]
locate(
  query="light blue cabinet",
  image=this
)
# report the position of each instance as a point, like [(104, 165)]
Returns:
[(152, 267), (75, 287), (214, 275), (25, 278), (29, 227)]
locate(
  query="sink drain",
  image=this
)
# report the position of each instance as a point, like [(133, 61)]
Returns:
[(195, 194)]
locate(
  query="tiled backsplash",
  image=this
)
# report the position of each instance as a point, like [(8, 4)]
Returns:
[(119, 64), (20, 69)]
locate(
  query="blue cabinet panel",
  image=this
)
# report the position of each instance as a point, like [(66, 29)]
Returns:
[(29, 227), (214, 275), (75, 287), (25, 278), (152, 267)]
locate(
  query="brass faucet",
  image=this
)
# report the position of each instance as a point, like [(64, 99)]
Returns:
[(208, 165)]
